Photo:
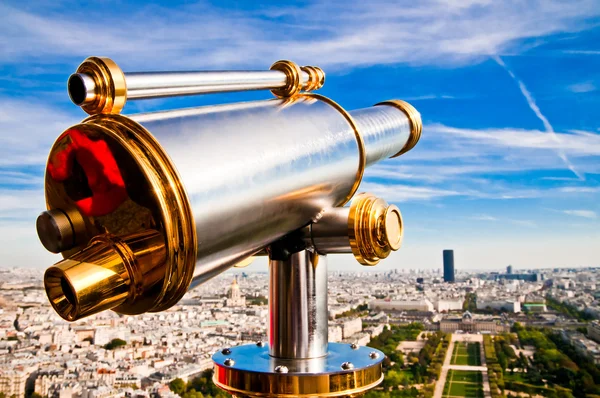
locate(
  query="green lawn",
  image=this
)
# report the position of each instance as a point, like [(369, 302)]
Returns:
[(466, 354), (463, 384)]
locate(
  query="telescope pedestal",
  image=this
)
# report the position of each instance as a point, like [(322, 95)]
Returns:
[(346, 371), (298, 361)]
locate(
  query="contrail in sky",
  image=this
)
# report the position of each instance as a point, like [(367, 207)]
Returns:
[(549, 129)]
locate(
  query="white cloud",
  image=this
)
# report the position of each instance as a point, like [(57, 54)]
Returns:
[(585, 87), (484, 217), (28, 130), (577, 144), (403, 193), (581, 213), (332, 33), (579, 189), (535, 108)]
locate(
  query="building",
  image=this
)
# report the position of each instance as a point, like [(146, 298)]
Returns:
[(12, 382), (235, 298), (492, 303), (520, 277), (467, 323), (397, 305), (594, 331), (509, 270), (450, 305), (535, 307), (448, 265), (335, 333), (350, 326), (583, 345)]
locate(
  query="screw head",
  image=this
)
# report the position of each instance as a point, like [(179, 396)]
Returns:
[(225, 351), (228, 362), (373, 355), (347, 366), (260, 343), (354, 346), (281, 369)]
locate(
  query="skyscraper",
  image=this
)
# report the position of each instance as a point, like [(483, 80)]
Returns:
[(448, 265), (509, 270)]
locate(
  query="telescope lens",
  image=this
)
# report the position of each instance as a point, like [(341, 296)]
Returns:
[(82, 88), (76, 89), (67, 291)]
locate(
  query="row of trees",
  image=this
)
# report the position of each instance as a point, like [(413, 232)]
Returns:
[(424, 367), (359, 310), (388, 340), (557, 369), (199, 387), (495, 370), (567, 309)]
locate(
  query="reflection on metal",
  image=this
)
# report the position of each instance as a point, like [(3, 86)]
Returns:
[(370, 229), (374, 227), (297, 305), (145, 207), (255, 373)]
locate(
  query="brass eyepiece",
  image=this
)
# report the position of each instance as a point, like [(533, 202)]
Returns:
[(375, 228), (110, 273), (98, 86)]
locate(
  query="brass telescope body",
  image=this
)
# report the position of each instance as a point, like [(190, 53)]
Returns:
[(145, 207)]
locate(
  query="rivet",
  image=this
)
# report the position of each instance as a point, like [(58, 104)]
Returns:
[(260, 344), (347, 366), (373, 355), (225, 351), (228, 362), (354, 346), (281, 369)]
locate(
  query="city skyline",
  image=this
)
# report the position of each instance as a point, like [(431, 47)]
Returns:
[(507, 168)]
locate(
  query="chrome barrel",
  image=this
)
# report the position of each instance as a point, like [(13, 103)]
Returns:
[(218, 183)]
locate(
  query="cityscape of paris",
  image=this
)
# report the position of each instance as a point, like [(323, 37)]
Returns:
[(303, 198), (512, 333)]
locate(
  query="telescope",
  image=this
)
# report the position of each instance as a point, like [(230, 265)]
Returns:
[(145, 207)]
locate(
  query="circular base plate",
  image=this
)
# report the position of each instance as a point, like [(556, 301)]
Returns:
[(249, 371)]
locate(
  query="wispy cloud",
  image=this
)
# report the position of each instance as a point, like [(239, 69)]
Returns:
[(582, 52), (581, 213), (584, 87), (534, 107), (484, 217), (403, 193), (349, 33), (572, 144), (28, 129), (520, 222), (579, 189)]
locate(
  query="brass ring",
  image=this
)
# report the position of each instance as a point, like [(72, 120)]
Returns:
[(292, 72), (362, 154), (111, 88), (321, 75), (178, 220), (313, 78), (414, 118)]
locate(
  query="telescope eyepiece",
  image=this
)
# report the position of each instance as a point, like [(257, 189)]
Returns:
[(81, 88)]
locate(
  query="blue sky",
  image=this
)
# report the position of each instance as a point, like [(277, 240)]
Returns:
[(507, 170)]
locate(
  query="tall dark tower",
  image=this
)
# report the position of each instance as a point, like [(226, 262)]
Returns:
[(509, 270), (448, 265)]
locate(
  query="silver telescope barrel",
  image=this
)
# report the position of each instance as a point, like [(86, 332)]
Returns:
[(99, 85), (217, 183)]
